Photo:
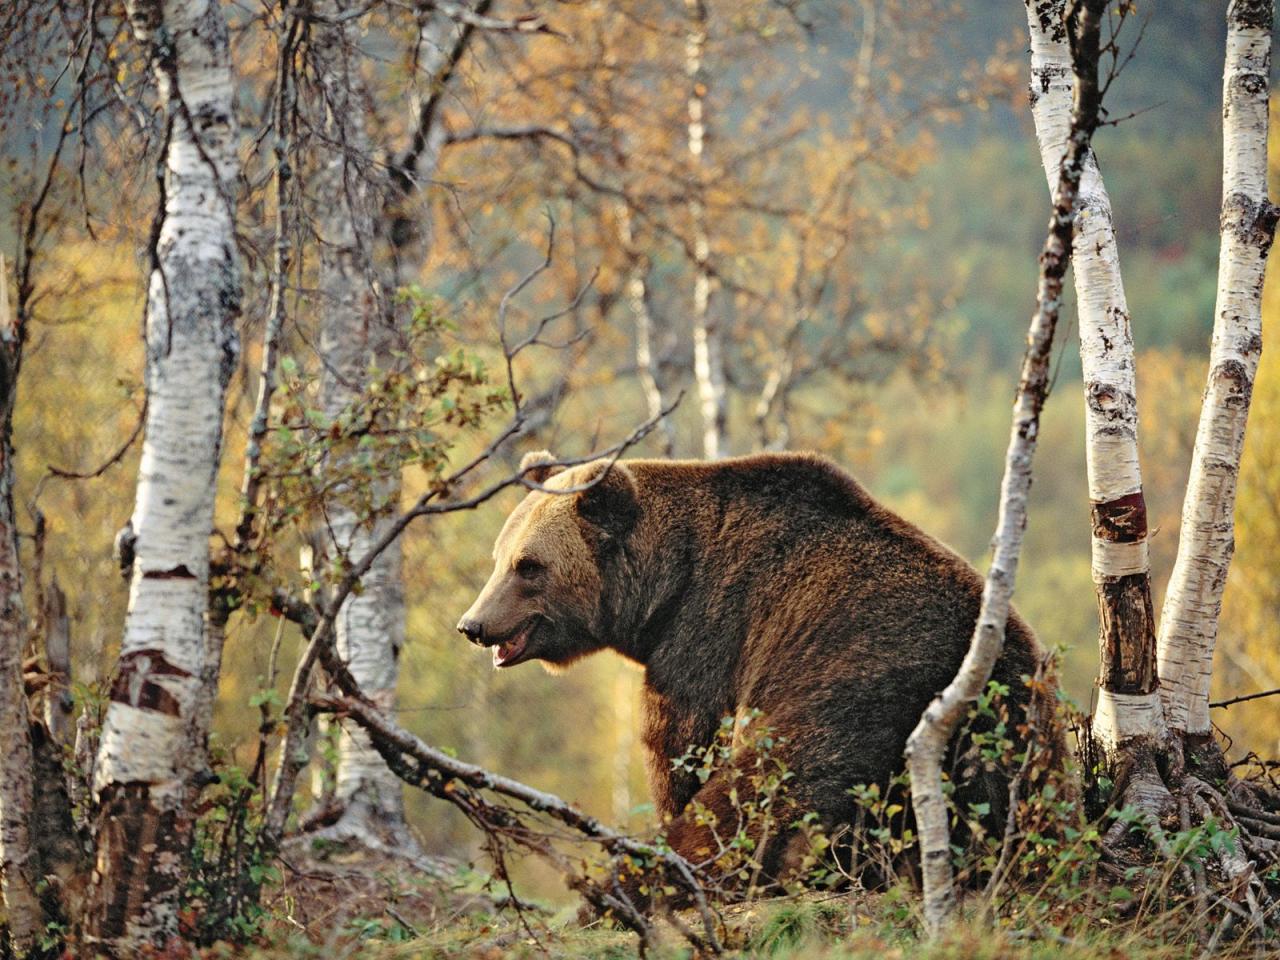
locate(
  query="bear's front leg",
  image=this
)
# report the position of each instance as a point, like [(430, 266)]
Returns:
[(736, 832), (735, 846)]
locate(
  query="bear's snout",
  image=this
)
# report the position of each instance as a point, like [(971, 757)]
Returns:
[(473, 630)]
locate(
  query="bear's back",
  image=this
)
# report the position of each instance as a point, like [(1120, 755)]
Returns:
[(846, 618)]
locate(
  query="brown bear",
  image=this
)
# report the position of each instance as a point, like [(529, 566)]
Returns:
[(771, 583)]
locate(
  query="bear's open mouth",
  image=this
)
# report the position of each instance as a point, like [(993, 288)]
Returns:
[(512, 650)]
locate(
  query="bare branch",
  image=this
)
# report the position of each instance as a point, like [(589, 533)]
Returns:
[(1223, 704), (449, 779), (66, 473), (525, 23)]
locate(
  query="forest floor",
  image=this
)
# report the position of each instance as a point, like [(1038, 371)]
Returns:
[(335, 911)]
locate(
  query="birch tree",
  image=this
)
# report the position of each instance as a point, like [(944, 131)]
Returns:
[(356, 334), (928, 742), (1128, 719), (708, 338), (373, 237), (148, 761), (1193, 602), (636, 291)]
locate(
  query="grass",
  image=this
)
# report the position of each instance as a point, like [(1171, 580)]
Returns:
[(822, 927)]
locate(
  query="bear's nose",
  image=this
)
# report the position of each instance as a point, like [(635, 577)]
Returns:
[(473, 630)]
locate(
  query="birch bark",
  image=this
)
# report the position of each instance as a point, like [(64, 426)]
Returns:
[(146, 763), (708, 337), (1206, 541), (357, 333), (637, 296), (928, 742), (19, 866), (371, 637), (1128, 701)]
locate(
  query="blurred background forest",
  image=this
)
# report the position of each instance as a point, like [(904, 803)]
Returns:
[(903, 370)]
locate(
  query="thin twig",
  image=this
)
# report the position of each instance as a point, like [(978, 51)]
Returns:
[(1223, 704)]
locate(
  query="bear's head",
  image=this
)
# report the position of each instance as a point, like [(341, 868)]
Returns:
[(558, 574)]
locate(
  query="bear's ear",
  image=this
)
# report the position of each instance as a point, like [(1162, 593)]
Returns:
[(539, 466), (611, 503)]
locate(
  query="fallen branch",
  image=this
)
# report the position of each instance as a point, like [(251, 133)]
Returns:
[(460, 782)]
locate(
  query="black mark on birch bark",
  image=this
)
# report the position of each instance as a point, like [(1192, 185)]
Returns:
[(1250, 14), (133, 684), (1123, 520), (180, 572), (135, 837), (1233, 377), (1249, 221)]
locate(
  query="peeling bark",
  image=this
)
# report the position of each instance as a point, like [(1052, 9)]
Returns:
[(152, 750), (1206, 541), (928, 742), (1128, 704)]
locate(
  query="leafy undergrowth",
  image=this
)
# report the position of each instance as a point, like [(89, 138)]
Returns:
[(336, 913), (1047, 885)]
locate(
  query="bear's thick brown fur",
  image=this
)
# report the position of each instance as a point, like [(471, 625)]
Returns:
[(773, 583)]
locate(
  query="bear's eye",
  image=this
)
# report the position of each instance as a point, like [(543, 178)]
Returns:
[(528, 567)]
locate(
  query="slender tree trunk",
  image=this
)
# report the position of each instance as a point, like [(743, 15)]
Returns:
[(637, 296), (928, 742), (775, 395), (19, 861), (1128, 702), (1189, 621), (356, 335), (151, 749), (708, 336), (443, 43)]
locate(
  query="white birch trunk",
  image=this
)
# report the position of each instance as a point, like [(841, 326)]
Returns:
[(928, 742), (148, 758), (357, 329), (1206, 540), (708, 337), (637, 297), (1128, 702), (355, 335)]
